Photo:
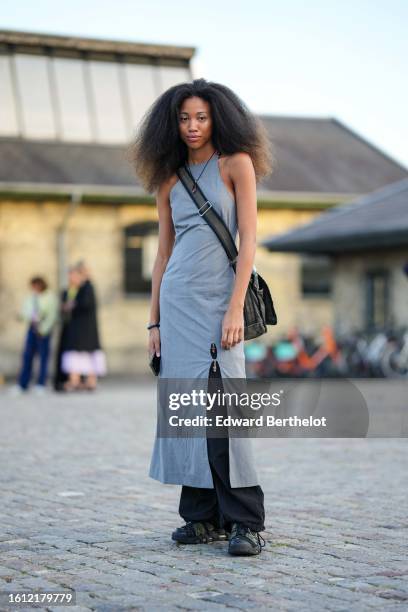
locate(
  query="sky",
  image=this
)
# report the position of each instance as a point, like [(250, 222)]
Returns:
[(322, 58)]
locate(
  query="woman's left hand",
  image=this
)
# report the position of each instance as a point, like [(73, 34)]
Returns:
[(232, 327)]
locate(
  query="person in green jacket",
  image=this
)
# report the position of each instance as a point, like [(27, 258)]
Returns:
[(40, 311)]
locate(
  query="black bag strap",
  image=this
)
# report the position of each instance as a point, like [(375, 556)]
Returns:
[(206, 210)]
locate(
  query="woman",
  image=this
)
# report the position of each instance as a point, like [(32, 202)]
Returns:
[(66, 305), (197, 300), (83, 356)]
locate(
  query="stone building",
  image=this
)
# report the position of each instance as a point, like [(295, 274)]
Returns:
[(366, 243), (69, 106)]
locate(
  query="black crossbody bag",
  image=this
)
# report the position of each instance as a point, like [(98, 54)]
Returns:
[(259, 310)]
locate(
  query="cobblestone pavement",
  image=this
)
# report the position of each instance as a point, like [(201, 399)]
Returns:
[(78, 510)]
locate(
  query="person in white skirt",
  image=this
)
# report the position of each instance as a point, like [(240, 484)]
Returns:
[(83, 356)]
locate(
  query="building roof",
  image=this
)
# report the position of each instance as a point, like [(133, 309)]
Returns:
[(314, 157), (324, 155), (36, 40), (52, 162), (376, 221)]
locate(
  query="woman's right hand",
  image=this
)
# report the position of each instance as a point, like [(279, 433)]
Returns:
[(154, 341)]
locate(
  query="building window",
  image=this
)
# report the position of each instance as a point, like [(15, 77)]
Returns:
[(34, 91), (316, 276), (141, 84), (108, 102), (72, 99), (141, 240), (8, 114), (377, 299)]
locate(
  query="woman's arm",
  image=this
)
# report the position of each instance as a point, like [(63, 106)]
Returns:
[(242, 174), (164, 250)]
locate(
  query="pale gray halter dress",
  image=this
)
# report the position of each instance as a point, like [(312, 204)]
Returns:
[(194, 296)]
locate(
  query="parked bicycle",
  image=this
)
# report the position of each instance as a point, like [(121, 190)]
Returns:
[(382, 353)]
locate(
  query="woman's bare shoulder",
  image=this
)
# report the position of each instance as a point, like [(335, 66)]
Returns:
[(236, 160), (233, 167)]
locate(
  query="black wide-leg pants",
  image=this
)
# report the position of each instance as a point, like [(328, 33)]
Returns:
[(222, 505)]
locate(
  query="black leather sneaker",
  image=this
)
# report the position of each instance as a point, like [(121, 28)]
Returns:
[(244, 541), (198, 533)]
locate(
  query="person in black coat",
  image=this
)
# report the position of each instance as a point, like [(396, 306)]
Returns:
[(66, 305), (82, 354)]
